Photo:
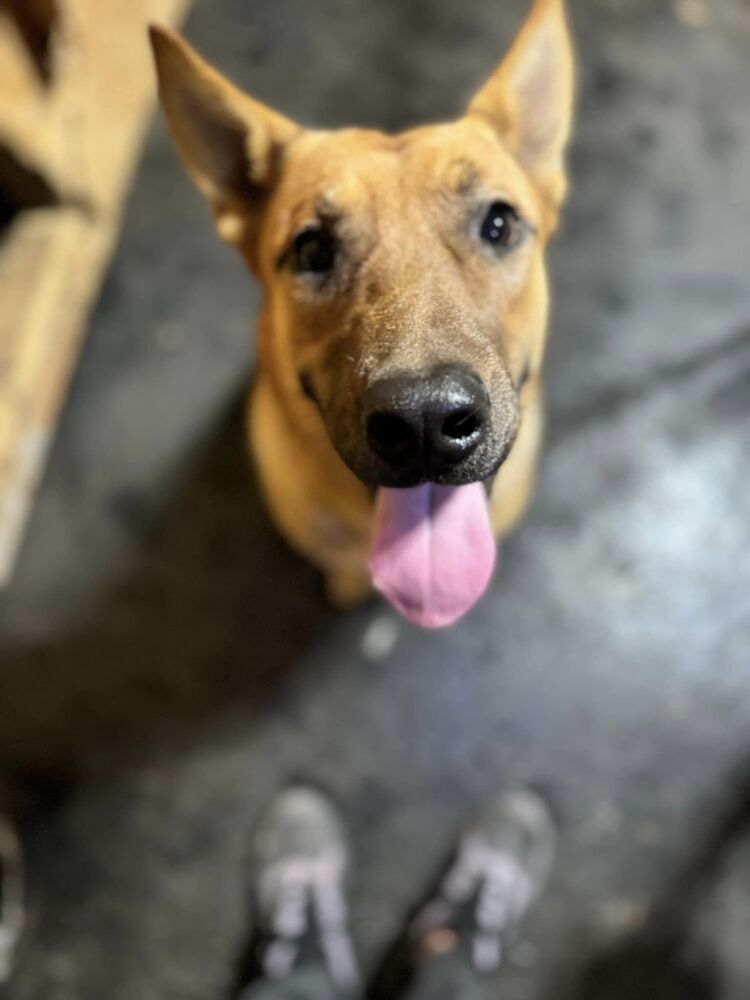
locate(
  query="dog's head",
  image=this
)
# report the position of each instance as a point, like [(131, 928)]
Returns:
[(406, 295)]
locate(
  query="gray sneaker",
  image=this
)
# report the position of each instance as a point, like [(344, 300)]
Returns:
[(463, 931), (500, 868), (300, 861)]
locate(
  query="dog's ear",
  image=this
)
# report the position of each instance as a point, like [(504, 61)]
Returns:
[(230, 143), (530, 97)]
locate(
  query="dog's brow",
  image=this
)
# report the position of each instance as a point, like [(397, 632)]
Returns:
[(462, 175)]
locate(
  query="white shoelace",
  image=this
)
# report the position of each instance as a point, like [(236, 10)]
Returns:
[(504, 891), (285, 892)]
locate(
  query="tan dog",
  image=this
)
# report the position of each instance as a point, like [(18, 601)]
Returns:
[(403, 328)]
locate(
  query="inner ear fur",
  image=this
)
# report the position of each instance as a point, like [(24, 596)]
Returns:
[(231, 144), (530, 97)]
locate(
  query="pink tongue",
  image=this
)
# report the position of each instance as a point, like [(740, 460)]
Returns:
[(433, 551)]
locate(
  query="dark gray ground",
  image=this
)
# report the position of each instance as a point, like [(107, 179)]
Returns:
[(168, 664)]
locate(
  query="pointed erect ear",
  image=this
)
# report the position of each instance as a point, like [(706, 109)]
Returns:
[(530, 97), (230, 143)]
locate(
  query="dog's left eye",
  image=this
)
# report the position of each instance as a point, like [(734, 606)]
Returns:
[(313, 251), (502, 226)]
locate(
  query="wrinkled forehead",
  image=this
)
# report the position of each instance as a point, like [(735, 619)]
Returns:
[(365, 176)]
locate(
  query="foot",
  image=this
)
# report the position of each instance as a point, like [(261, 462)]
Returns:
[(300, 862), (501, 867), (11, 897), (464, 929)]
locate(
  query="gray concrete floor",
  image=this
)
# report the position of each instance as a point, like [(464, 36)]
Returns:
[(168, 664)]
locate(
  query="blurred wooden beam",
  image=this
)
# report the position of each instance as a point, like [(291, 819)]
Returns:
[(73, 109)]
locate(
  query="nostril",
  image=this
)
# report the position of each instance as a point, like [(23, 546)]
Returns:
[(392, 438), (461, 426), (387, 430)]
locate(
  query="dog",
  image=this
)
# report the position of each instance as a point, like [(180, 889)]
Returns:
[(396, 417)]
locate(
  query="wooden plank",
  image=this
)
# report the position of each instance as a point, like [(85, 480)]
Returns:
[(92, 113)]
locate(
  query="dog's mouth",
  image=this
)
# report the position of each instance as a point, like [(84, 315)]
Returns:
[(433, 551)]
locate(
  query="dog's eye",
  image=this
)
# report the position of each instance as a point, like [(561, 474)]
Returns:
[(313, 251), (502, 226)]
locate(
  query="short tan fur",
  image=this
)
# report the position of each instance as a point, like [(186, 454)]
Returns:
[(413, 287)]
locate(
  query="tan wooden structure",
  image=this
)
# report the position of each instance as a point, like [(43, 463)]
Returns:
[(76, 89)]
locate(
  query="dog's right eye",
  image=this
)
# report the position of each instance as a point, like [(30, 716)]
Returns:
[(501, 227), (313, 251)]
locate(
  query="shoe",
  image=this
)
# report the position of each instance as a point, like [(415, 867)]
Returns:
[(300, 860), (500, 869), (466, 926)]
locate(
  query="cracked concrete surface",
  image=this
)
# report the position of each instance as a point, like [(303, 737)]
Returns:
[(167, 664)]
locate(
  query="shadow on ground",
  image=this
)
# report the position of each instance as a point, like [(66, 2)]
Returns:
[(192, 628), (668, 958)]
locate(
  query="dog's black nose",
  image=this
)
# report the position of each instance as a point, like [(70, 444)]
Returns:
[(425, 426)]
